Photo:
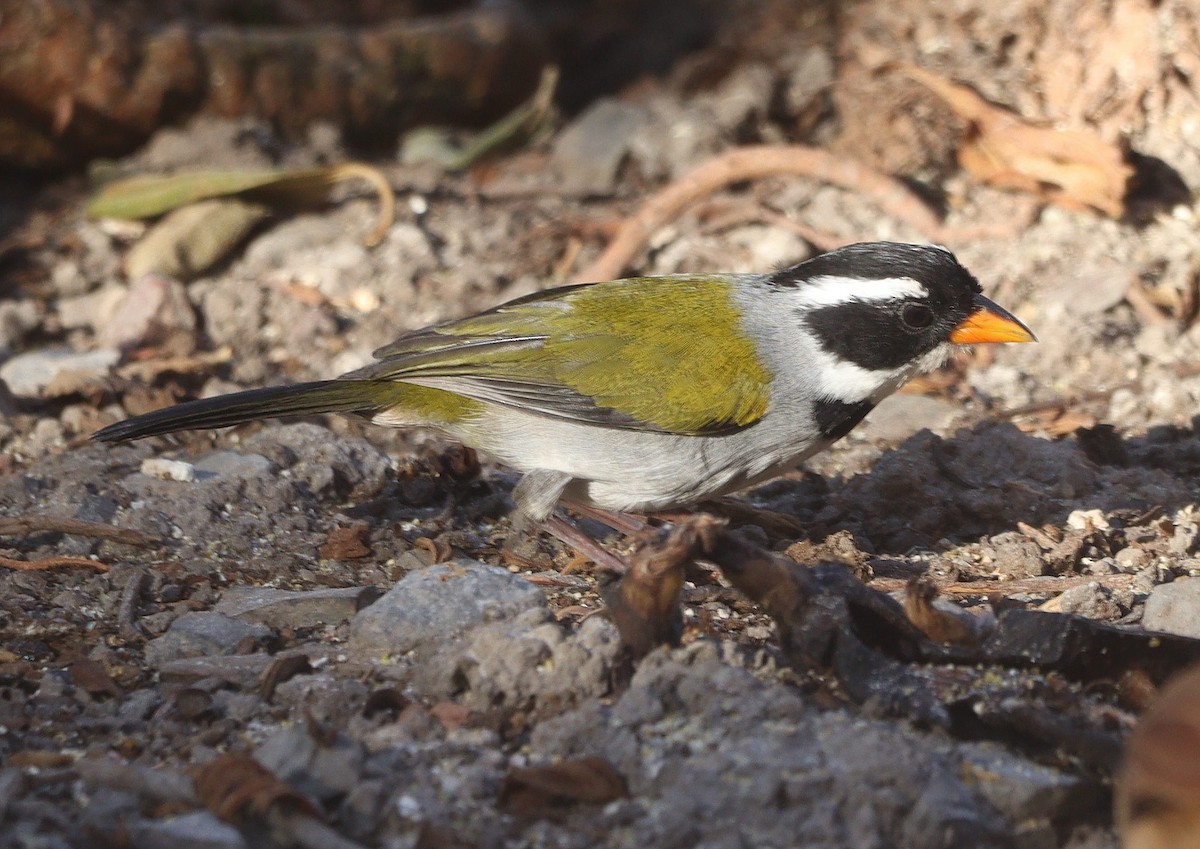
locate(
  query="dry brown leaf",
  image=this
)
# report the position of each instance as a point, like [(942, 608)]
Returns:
[(346, 543), (94, 678), (538, 790), (450, 714), (438, 549), (1056, 421), (283, 668), (1073, 169), (1101, 62), (190, 240), (235, 786)]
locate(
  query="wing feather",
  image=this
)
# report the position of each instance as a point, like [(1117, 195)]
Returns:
[(657, 354)]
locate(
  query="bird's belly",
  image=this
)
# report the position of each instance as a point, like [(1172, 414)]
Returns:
[(631, 470)]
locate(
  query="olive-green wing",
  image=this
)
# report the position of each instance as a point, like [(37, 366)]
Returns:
[(662, 354)]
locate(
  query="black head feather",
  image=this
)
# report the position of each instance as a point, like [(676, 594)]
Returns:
[(884, 333)]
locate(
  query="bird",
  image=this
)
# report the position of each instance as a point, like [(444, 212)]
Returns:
[(648, 394)]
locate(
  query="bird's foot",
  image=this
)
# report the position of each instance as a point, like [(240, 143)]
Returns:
[(626, 523), (568, 533)]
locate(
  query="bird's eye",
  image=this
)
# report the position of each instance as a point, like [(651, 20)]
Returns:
[(917, 316)]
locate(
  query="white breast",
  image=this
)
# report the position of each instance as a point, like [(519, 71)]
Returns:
[(640, 471)]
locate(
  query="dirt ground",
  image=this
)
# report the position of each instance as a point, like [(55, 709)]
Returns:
[(272, 594)]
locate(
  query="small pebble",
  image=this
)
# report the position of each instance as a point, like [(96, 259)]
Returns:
[(168, 470), (1087, 520)]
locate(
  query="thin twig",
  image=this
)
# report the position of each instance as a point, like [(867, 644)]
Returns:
[(1143, 306), (127, 624), (1036, 585), (51, 563), (754, 163), (20, 525), (146, 371)]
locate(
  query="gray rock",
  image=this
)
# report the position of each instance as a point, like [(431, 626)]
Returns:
[(231, 465), (1015, 555), (324, 771), (1091, 600), (1174, 608), (31, 373), (279, 608), (92, 310), (105, 806), (158, 476), (258, 504), (678, 135), (1018, 788), (242, 671), (326, 698), (202, 633), (1159, 343), (340, 466), (154, 311), (1093, 287), (1183, 541), (905, 500), (197, 830), (363, 806), (527, 662), (589, 152), (18, 318), (900, 416), (810, 73), (94, 508), (715, 758), (431, 606), (1132, 558), (139, 704), (12, 784), (155, 785)]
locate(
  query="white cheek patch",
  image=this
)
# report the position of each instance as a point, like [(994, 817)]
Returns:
[(829, 290), (844, 381)]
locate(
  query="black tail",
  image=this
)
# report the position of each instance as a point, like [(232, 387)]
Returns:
[(298, 399)]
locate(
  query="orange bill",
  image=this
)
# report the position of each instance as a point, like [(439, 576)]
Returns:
[(990, 322)]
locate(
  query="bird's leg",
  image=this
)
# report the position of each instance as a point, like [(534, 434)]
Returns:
[(537, 494), (626, 523), (563, 530)]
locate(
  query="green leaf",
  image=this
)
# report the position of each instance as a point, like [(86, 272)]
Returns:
[(150, 196)]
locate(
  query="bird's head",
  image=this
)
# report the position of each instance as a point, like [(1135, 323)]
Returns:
[(880, 312)]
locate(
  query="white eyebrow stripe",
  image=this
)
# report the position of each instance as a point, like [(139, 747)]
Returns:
[(830, 290)]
